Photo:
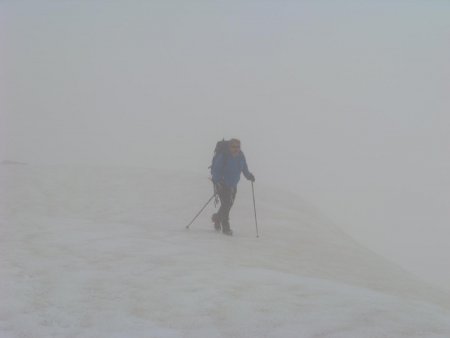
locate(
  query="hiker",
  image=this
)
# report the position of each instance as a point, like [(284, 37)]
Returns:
[(226, 171)]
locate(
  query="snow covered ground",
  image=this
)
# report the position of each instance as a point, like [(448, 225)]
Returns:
[(103, 252)]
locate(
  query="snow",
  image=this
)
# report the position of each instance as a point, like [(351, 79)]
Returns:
[(104, 252)]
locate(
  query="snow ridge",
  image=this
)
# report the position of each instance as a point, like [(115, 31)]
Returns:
[(103, 252)]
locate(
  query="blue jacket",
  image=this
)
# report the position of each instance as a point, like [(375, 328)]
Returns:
[(227, 169)]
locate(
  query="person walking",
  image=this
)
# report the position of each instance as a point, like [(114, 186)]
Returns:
[(226, 172)]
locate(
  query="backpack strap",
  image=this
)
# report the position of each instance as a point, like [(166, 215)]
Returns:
[(225, 159)]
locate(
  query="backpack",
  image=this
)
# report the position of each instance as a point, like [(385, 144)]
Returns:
[(222, 147)]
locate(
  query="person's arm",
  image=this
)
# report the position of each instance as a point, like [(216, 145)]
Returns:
[(248, 175)]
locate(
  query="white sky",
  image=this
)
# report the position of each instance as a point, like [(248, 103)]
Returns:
[(346, 103)]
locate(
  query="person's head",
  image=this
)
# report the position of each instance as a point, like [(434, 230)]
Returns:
[(235, 146)]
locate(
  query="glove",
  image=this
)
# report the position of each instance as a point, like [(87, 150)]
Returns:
[(251, 177)]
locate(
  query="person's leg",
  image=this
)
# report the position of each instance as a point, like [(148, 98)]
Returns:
[(216, 221), (216, 216), (227, 196)]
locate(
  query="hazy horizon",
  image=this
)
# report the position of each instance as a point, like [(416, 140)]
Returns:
[(344, 103)]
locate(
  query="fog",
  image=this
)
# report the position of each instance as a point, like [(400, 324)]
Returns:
[(344, 103)]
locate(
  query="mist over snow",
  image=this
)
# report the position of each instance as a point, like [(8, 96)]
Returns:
[(109, 113)]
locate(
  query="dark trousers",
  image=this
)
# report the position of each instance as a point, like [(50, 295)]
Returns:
[(227, 196)]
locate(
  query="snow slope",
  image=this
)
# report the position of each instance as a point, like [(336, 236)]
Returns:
[(103, 252)]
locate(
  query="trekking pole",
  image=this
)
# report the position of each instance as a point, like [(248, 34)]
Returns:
[(187, 226), (254, 208)]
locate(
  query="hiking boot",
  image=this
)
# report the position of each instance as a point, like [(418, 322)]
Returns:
[(216, 221), (228, 232), (226, 229)]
